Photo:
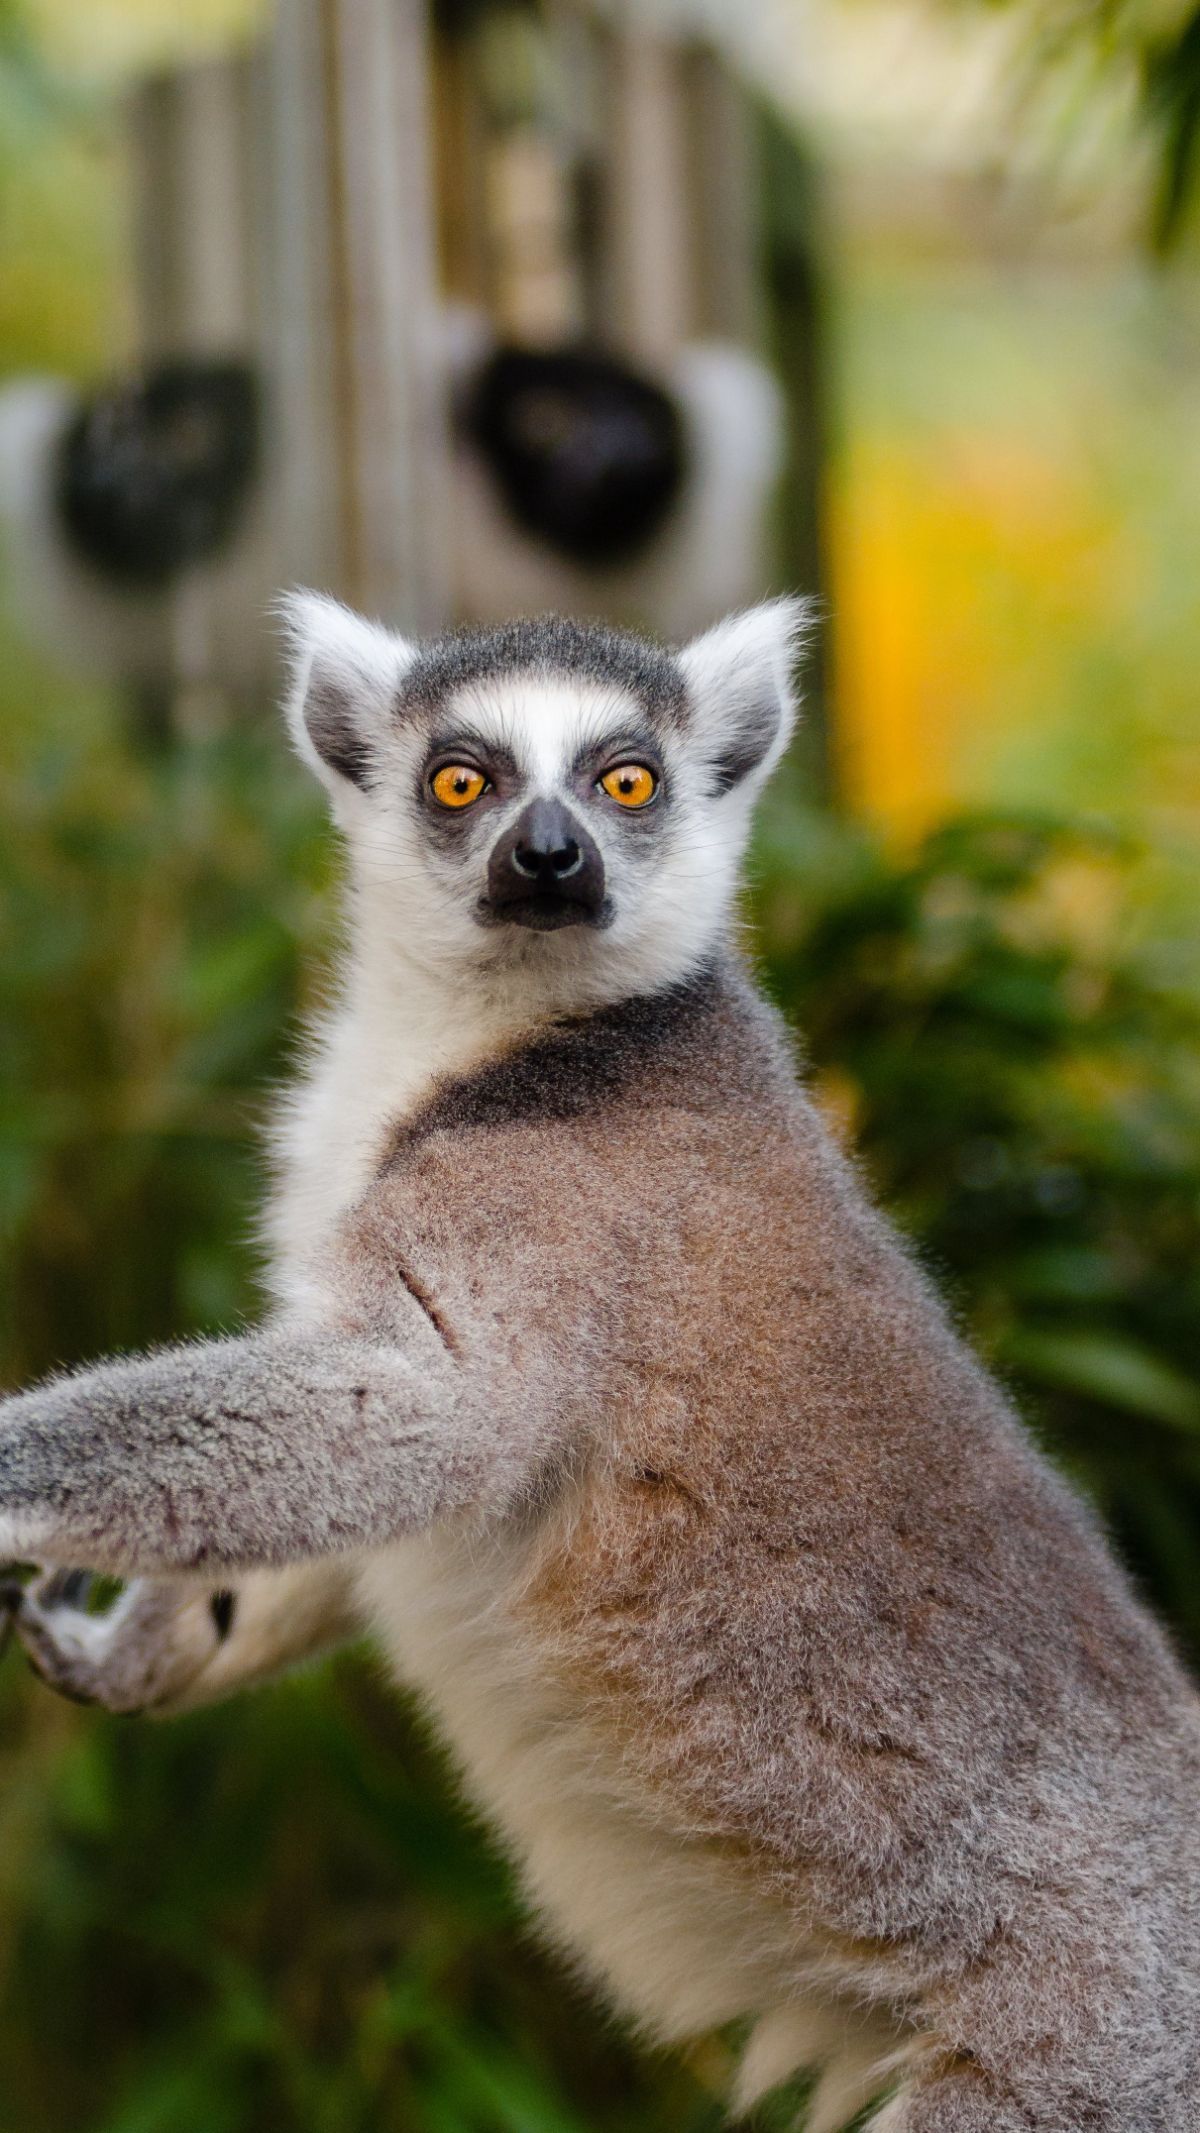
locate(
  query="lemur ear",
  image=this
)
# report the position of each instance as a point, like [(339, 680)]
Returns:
[(344, 673), (739, 685)]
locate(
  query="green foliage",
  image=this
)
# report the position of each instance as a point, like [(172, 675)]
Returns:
[(1021, 1075), (149, 914), (1172, 77), (276, 1915), (1155, 46)]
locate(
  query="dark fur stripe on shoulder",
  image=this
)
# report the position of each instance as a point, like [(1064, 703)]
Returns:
[(579, 1065)]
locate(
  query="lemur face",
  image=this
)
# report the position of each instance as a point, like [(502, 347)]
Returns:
[(545, 801), (546, 795)]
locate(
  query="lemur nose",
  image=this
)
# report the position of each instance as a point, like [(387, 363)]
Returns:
[(546, 851), (546, 871)]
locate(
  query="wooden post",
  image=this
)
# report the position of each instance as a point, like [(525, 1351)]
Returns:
[(198, 252), (650, 297), (721, 192), (361, 427), (196, 270)]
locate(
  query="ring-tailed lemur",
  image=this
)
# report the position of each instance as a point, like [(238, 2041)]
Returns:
[(801, 1691)]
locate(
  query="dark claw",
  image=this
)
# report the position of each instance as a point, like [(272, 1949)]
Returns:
[(10, 1600), (65, 1588)]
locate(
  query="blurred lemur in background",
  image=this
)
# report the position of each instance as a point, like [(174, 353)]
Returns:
[(802, 1693)]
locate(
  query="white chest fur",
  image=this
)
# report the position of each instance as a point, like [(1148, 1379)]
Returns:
[(370, 1066), (681, 1941)]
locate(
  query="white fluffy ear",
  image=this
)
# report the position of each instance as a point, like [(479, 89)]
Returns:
[(344, 674), (739, 684)]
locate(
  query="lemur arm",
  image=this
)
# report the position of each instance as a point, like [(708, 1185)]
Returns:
[(279, 1447)]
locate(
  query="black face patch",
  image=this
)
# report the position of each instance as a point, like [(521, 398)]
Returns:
[(633, 746), (546, 872), (459, 745)]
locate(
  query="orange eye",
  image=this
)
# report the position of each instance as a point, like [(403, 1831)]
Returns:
[(630, 784), (457, 785)]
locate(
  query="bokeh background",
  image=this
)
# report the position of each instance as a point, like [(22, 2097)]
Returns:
[(975, 894)]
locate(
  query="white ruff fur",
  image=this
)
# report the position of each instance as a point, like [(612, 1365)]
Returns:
[(680, 1941), (425, 993)]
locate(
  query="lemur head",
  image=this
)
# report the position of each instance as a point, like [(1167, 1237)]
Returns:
[(547, 802)]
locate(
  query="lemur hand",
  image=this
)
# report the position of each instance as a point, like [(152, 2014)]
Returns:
[(144, 1653)]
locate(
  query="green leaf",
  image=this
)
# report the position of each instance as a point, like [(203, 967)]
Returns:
[(1105, 1367)]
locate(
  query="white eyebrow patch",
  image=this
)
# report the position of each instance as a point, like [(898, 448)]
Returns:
[(546, 720)]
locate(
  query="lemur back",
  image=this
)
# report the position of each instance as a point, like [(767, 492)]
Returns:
[(806, 1604), (802, 1693)]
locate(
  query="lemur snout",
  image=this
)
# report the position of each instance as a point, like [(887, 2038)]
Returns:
[(547, 850), (546, 871)]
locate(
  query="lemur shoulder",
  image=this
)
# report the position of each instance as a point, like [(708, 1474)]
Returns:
[(799, 1688)]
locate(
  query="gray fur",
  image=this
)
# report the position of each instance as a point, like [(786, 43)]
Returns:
[(548, 644), (802, 1690), (250, 1453), (855, 1632)]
